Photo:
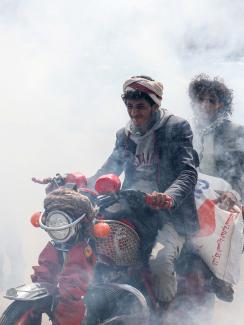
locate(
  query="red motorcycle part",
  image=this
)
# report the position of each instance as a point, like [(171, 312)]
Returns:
[(35, 219), (49, 266), (101, 230), (27, 318), (84, 190), (109, 183), (76, 178), (73, 283), (73, 278)]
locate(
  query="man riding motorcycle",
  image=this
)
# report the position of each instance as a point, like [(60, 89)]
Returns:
[(155, 152), (219, 142)]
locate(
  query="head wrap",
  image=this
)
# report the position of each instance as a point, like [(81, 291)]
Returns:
[(154, 89)]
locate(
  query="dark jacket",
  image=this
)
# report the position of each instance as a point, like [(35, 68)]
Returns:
[(176, 173), (229, 154)]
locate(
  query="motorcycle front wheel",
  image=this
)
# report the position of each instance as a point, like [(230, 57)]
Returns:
[(116, 304), (26, 312)]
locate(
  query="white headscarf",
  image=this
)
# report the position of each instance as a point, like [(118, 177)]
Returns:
[(154, 89)]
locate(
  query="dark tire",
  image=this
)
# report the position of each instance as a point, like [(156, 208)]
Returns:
[(18, 309), (115, 304)]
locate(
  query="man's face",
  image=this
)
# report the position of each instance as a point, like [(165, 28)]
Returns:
[(206, 106), (140, 111)]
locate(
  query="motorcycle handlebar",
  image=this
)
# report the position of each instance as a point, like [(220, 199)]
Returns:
[(155, 200), (137, 199), (134, 198)]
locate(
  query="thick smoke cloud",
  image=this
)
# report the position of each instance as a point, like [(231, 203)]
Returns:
[(62, 64)]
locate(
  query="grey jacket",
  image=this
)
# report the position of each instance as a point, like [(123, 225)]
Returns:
[(175, 172), (228, 154)]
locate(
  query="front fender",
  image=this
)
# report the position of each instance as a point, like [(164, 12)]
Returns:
[(31, 292)]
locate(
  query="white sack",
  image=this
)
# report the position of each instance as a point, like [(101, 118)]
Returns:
[(220, 239)]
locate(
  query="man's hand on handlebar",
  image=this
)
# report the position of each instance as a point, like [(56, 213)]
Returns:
[(159, 200)]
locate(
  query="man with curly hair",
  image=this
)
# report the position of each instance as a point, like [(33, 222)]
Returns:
[(219, 141)]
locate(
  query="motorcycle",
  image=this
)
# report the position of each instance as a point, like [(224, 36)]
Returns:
[(122, 236), (32, 301)]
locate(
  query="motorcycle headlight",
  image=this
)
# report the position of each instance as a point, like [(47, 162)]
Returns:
[(59, 225), (59, 219)]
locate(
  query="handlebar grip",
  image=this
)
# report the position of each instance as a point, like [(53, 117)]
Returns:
[(43, 181)]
